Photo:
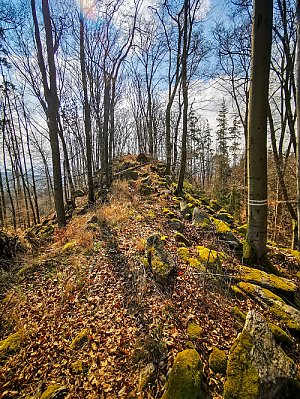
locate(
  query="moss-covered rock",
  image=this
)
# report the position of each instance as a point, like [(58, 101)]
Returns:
[(11, 345), (242, 230), (257, 368), (193, 262), (167, 212), (80, 339), (175, 224), (181, 239), (184, 381), (183, 253), (54, 391), (161, 264), (284, 312), (77, 367), (194, 331), (145, 189), (240, 294), (201, 218), (217, 360), (279, 285), (225, 217), (279, 334), (215, 205), (209, 256), (221, 227)]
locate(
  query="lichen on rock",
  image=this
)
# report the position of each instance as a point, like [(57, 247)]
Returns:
[(217, 360), (257, 368), (184, 381), (159, 261)]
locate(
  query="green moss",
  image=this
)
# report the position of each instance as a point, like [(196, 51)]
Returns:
[(183, 253), (270, 281), (168, 212), (194, 331), (158, 259), (55, 391), (210, 256), (247, 250), (196, 264), (242, 230), (80, 339), (77, 367), (242, 376), (180, 238), (237, 292), (240, 314), (190, 345), (29, 268), (295, 254), (214, 205), (184, 381), (218, 361), (221, 227), (11, 345), (69, 247)]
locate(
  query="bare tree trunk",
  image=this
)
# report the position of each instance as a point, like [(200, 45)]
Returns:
[(255, 249), (87, 116)]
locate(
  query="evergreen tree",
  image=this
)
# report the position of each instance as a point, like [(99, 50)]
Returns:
[(234, 136)]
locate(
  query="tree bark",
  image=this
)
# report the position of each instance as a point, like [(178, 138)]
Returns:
[(255, 250)]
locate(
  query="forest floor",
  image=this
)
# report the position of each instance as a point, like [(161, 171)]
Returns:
[(91, 279)]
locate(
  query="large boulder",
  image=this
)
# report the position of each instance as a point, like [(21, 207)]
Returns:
[(284, 312), (201, 218), (257, 367), (11, 345), (279, 285), (184, 381), (160, 263)]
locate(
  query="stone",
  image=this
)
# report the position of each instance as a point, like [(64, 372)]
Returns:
[(194, 331), (284, 312), (175, 224), (54, 391), (279, 285), (209, 256), (142, 158), (160, 263), (128, 174), (217, 360), (184, 380), (181, 239), (257, 367), (147, 375), (225, 217), (80, 339), (200, 218)]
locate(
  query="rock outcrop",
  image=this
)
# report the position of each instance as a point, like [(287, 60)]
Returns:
[(160, 263), (184, 381), (257, 367)]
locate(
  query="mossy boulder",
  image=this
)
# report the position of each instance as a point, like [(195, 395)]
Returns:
[(209, 256), (284, 312), (194, 331), (181, 239), (279, 285), (184, 381), (225, 217), (242, 230), (80, 339), (175, 224), (167, 212), (11, 345), (257, 368), (160, 263), (183, 253), (217, 360), (221, 227), (200, 218), (279, 334), (54, 391), (240, 294), (193, 262)]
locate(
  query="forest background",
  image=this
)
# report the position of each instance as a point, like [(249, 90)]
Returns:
[(85, 82)]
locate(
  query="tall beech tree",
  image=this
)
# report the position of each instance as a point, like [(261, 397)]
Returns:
[(255, 248), (48, 74), (298, 118)]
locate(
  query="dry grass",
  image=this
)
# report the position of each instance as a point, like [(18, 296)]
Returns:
[(121, 206)]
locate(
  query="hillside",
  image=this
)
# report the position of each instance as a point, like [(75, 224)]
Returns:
[(102, 308)]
